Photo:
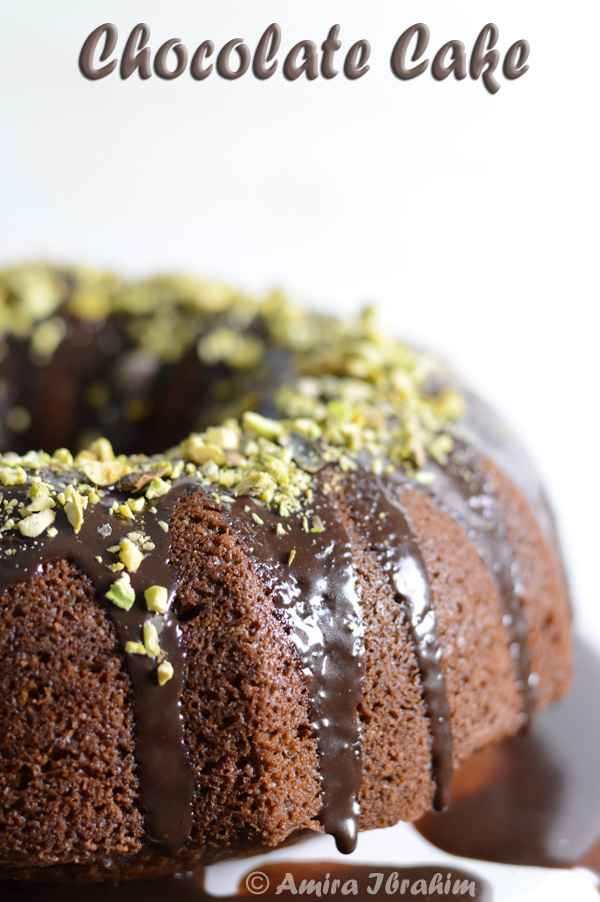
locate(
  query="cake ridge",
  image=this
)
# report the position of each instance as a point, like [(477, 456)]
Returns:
[(166, 782), (310, 578), (387, 529), (466, 492)]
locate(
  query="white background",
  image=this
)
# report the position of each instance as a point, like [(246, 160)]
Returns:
[(470, 219)]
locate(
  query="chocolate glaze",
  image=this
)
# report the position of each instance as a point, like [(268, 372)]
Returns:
[(388, 532), (166, 778), (533, 799), (378, 882), (484, 429), (149, 404), (463, 490), (316, 590)]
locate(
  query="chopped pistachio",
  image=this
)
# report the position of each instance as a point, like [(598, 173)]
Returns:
[(157, 599), (130, 555), (122, 593), (177, 470), (292, 555), (35, 524), (307, 427), (271, 429), (257, 519), (450, 404), (151, 639), (39, 489), (12, 476), (164, 673), (125, 512), (164, 526), (103, 473), (440, 447), (135, 648), (225, 437), (41, 504), (64, 456), (341, 411), (210, 470), (317, 524), (195, 450), (192, 446), (74, 508), (157, 488), (102, 450), (279, 530)]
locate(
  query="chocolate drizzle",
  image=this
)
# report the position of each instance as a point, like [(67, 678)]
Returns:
[(388, 533), (304, 561), (485, 430), (166, 778), (315, 587), (463, 490), (317, 591), (309, 576), (533, 799)]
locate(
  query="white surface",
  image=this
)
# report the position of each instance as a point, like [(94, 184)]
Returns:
[(402, 845), (470, 219)]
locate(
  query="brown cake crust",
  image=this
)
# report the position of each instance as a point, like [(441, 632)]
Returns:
[(70, 790), (72, 778)]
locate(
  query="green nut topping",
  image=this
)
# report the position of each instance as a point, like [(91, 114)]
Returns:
[(74, 508), (271, 429), (157, 488), (353, 397), (122, 593), (164, 673), (157, 599), (35, 524), (12, 476), (130, 555), (151, 643)]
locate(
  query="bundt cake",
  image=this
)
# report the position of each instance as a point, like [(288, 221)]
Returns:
[(340, 579)]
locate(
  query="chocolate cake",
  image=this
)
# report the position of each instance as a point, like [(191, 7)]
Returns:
[(339, 580)]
